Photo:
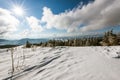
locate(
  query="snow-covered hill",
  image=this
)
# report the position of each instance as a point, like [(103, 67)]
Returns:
[(61, 63)]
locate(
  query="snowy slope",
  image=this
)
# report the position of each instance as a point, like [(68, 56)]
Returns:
[(62, 63)]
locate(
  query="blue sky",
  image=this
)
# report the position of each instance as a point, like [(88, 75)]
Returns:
[(49, 18)]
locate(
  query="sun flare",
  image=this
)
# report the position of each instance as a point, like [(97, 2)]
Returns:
[(18, 10)]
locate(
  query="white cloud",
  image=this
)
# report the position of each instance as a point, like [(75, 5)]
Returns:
[(26, 33), (34, 24), (94, 16), (8, 22), (60, 21)]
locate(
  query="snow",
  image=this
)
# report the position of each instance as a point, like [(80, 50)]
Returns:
[(61, 63)]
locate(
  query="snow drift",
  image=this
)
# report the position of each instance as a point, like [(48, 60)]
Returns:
[(61, 63)]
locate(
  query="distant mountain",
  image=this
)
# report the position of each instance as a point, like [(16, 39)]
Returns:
[(21, 41), (1, 40)]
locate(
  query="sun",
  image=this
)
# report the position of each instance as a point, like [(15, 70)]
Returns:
[(18, 10)]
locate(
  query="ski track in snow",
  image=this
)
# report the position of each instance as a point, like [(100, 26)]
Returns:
[(62, 63)]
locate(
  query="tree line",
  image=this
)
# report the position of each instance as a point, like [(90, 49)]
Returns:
[(109, 39)]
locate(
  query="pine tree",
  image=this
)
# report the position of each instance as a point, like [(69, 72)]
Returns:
[(28, 45)]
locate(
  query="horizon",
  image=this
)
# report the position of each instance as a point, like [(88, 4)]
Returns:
[(35, 19), (90, 34)]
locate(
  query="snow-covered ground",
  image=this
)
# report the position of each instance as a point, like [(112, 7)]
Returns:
[(61, 63)]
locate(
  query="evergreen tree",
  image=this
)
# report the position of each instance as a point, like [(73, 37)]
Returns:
[(28, 45)]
